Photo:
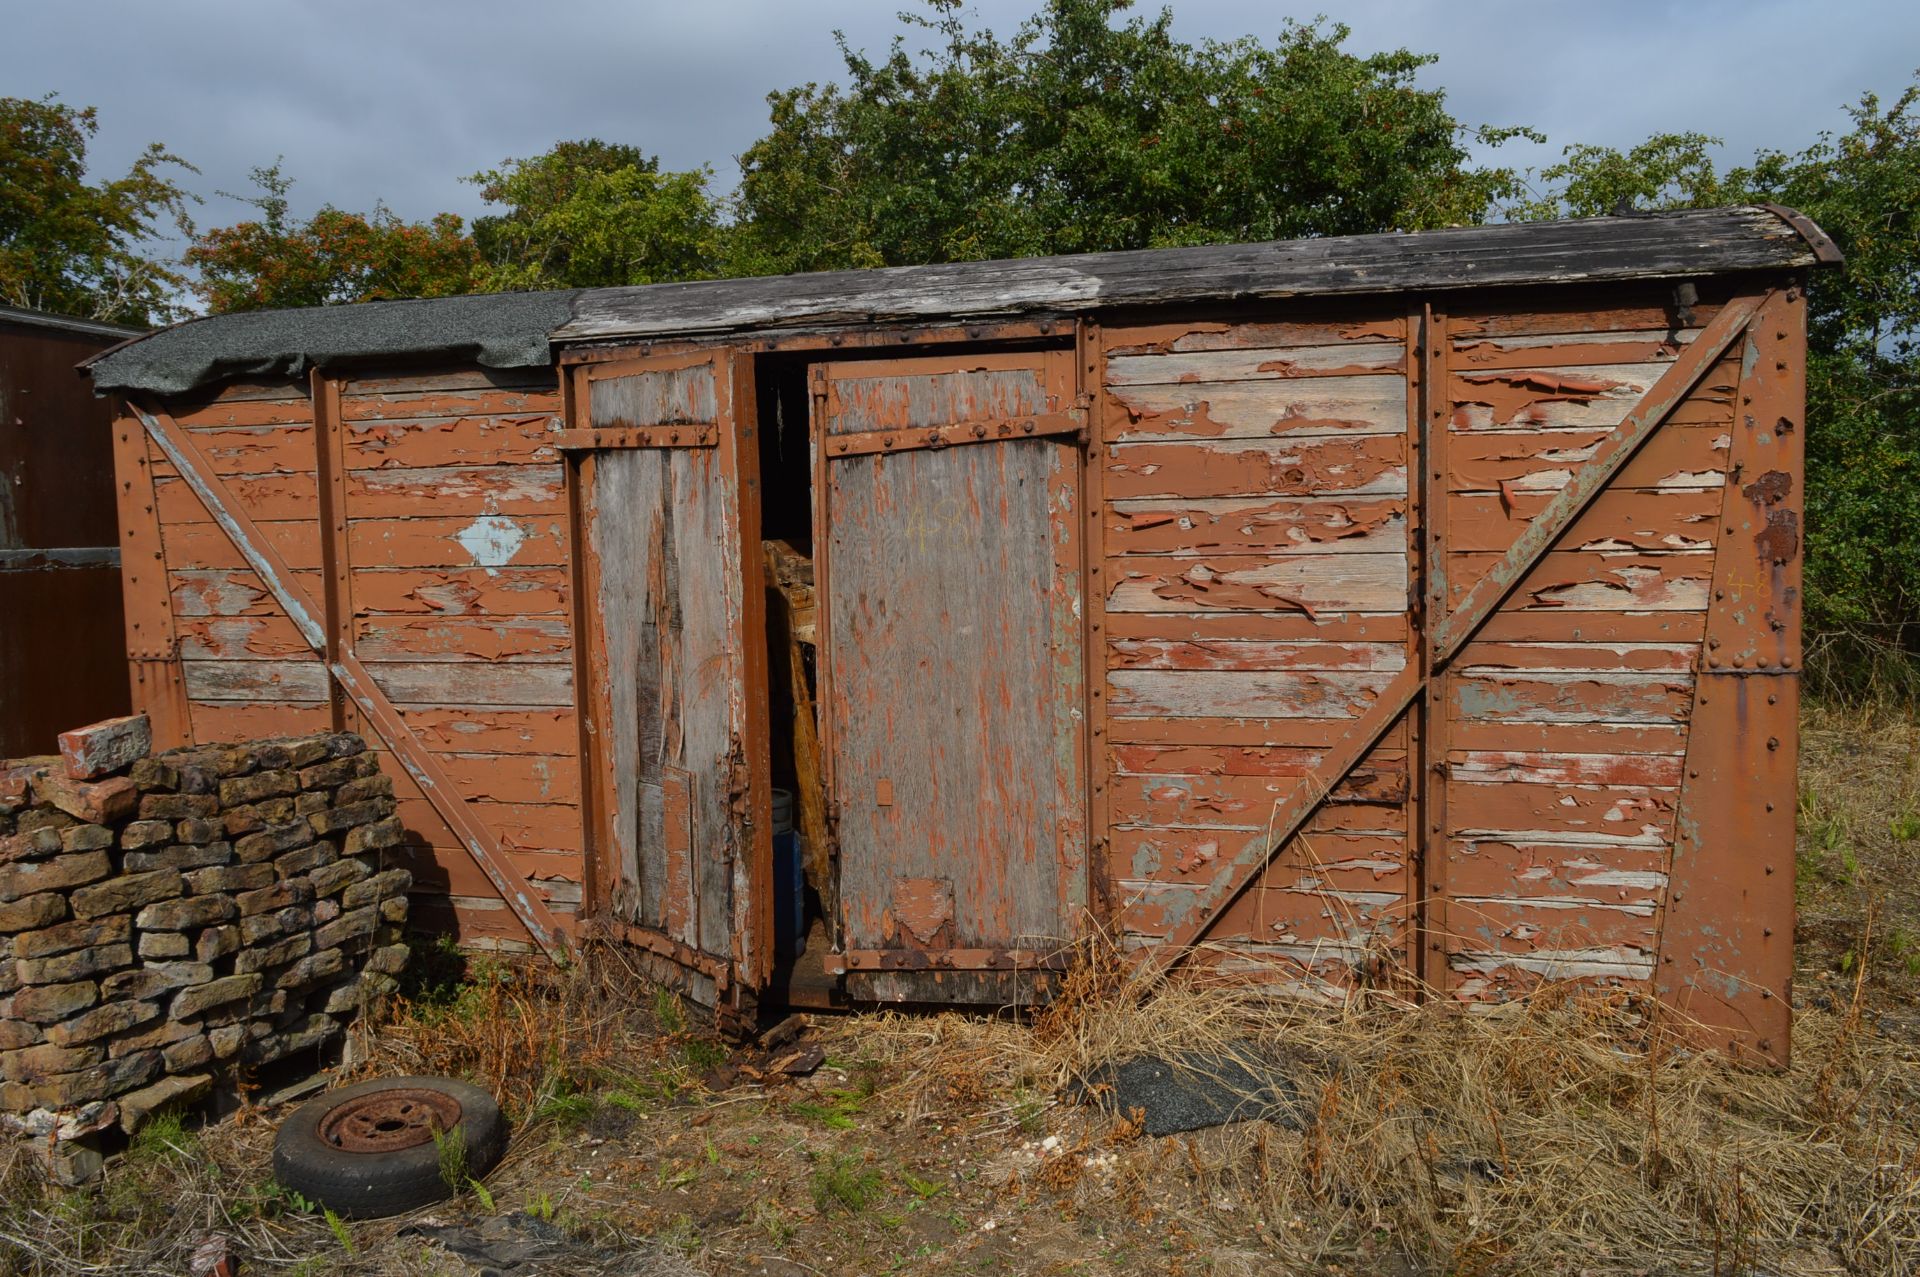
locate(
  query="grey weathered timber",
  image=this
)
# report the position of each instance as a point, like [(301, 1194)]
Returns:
[(519, 329), (1702, 242), (657, 530)]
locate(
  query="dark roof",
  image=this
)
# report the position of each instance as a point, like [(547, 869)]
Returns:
[(509, 330), (14, 315), (497, 330)]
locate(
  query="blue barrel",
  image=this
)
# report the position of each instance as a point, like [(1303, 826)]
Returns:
[(789, 880)]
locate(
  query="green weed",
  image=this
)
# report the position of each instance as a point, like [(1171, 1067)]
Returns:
[(340, 1234), (667, 1011), (452, 1148), (837, 1113), (845, 1183)]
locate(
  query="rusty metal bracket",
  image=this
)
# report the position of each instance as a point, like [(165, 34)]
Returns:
[(354, 680), (907, 438), (693, 435), (948, 960), (1452, 631), (1825, 251)]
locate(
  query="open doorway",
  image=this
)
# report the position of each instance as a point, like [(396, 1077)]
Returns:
[(803, 872)]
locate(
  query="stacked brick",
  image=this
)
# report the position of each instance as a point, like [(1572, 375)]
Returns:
[(166, 920)]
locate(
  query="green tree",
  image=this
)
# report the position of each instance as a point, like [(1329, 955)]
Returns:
[(593, 213), (334, 256), (1083, 133), (1863, 376), (78, 248)]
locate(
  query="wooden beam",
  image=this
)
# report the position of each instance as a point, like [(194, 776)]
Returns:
[(354, 679)]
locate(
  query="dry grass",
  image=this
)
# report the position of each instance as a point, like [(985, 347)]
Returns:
[(1568, 1133)]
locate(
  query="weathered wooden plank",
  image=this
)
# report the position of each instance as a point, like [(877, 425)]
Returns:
[(505, 640), (1673, 518), (1140, 855), (461, 592), (265, 498), (484, 541), (1547, 697), (1612, 872), (1494, 735), (1358, 327), (1527, 400), (1574, 626), (970, 388), (449, 871), (1595, 581), (240, 638), (1677, 456), (1245, 802), (283, 404), (1242, 760), (1280, 525), (455, 490), (231, 593), (1308, 583), (1321, 406), (495, 730), (1252, 654), (1549, 350), (409, 405), (1672, 656), (251, 450), (1373, 465), (303, 680), (518, 439), (1260, 733), (1292, 626), (220, 721), (1560, 812), (473, 377), (1258, 363), (202, 545), (473, 682), (1541, 768), (1578, 311), (1663, 246), (502, 778), (1244, 693), (515, 826), (669, 396)]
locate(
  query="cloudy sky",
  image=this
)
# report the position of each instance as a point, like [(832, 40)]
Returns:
[(398, 99)]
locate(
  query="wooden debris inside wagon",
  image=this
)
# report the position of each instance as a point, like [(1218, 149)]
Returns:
[(790, 581)]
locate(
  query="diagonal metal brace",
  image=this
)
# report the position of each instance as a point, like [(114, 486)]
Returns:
[(354, 680)]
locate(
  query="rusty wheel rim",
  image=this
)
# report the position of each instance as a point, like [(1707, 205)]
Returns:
[(388, 1121)]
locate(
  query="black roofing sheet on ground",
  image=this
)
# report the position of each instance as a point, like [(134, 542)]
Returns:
[(518, 329)]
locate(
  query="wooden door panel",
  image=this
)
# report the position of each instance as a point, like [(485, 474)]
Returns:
[(664, 541), (954, 682)]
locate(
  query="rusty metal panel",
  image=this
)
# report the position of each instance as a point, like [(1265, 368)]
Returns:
[(683, 822), (57, 537), (1726, 948), (953, 691)]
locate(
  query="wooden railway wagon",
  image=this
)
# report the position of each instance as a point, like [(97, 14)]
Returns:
[(1404, 608)]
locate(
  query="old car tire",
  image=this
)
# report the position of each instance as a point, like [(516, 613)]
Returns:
[(368, 1150)]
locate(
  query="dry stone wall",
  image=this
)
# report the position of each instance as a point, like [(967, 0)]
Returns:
[(168, 920)]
